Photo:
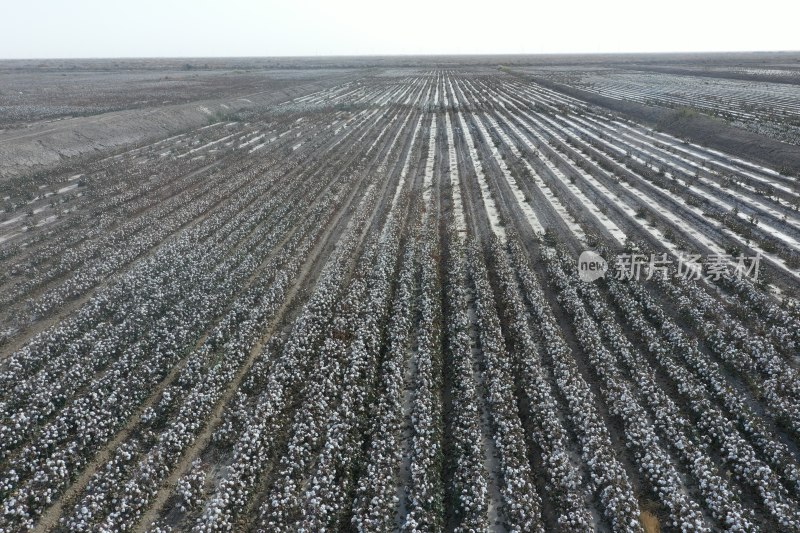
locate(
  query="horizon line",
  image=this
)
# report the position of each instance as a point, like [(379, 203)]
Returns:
[(394, 55)]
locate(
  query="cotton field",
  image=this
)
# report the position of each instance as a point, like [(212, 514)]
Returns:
[(359, 307)]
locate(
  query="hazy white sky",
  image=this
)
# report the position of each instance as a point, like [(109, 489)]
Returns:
[(144, 28)]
